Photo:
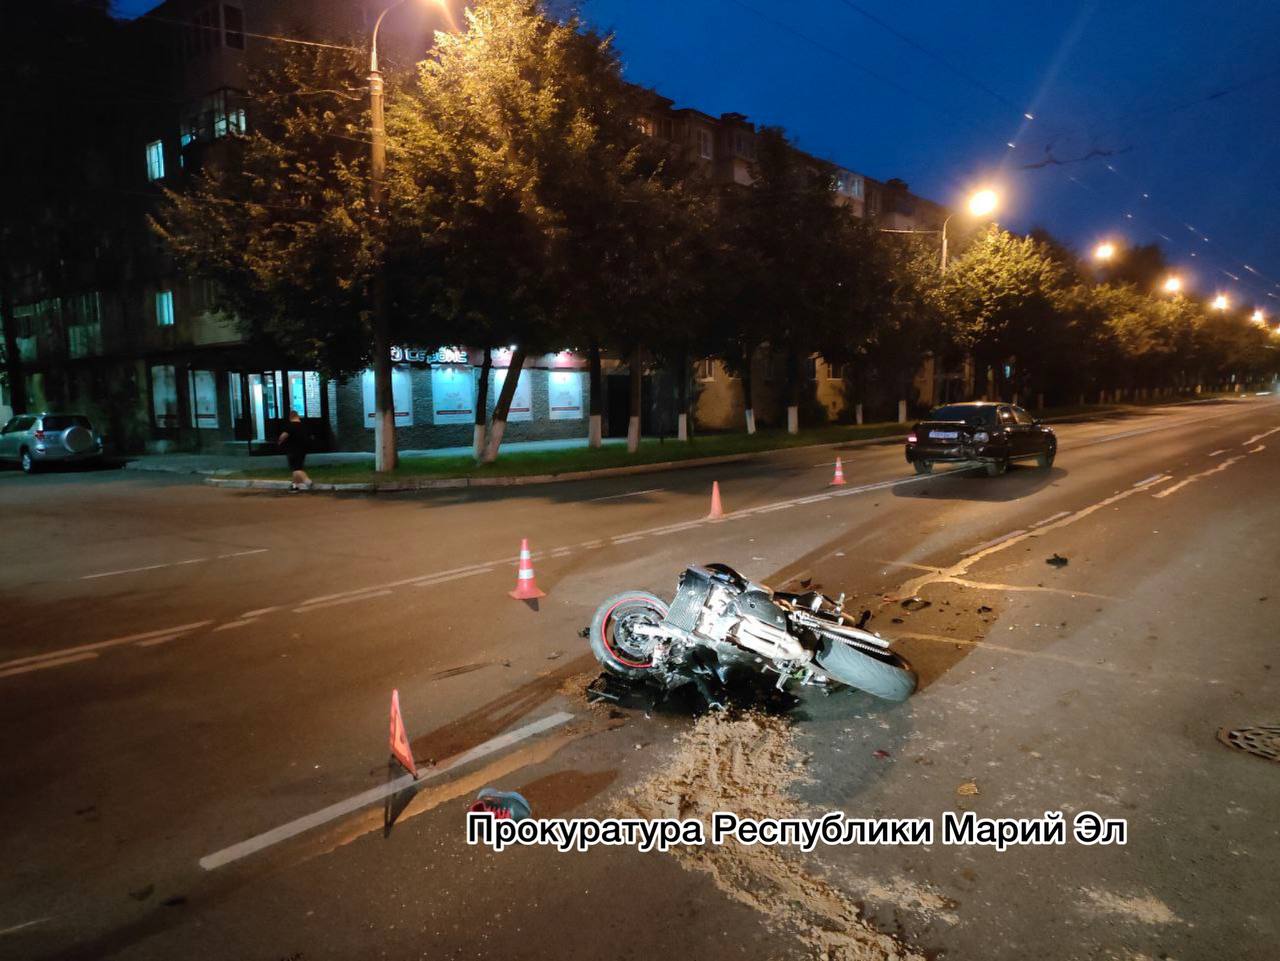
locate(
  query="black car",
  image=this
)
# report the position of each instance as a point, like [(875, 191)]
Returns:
[(980, 432)]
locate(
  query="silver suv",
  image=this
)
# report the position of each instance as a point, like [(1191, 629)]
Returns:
[(35, 439)]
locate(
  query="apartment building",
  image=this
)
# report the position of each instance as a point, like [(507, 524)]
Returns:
[(142, 349)]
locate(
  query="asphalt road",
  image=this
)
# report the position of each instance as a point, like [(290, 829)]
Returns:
[(184, 669)]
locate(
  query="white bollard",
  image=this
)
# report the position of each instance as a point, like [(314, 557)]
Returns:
[(857, 413)]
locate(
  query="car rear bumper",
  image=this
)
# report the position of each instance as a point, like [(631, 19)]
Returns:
[(958, 453), (55, 456)]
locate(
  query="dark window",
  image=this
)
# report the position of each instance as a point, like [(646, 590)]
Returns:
[(233, 26), (19, 424), (974, 416), (1022, 417), (63, 421), (1006, 416)]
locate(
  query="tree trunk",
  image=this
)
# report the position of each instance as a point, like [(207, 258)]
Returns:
[(596, 391), (682, 396), (14, 377), (482, 405), (793, 391), (503, 406), (633, 423), (748, 409)]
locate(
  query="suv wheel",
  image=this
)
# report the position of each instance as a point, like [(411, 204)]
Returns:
[(923, 466), (996, 468), (28, 465), (1045, 460)]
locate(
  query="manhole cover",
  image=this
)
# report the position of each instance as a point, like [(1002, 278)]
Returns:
[(1263, 741)]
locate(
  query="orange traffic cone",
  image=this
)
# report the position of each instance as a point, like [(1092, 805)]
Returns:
[(400, 749), (838, 480), (526, 586), (717, 510)]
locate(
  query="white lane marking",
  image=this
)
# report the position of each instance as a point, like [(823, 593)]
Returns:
[(627, 539), (1220, 450), (1148, 480), (41, 665), (991, 543), (1223, 465), (259, 612), (231, 625), (285, 831), (816, 498), (1050, 519), (1257, 437), (561, 552), (100, 645), (368, 595), (153, 642), (614, 497), (589, 545), (1257, 450), (433, 581), (24, 924), (157, 567), (776, 507)]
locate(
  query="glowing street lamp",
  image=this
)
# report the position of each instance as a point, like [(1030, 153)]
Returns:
[(1104, 252), (1172, 284), (1221, 302), (981, 203), (1259, 317)]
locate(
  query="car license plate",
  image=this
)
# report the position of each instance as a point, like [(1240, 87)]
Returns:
[(944, 434)]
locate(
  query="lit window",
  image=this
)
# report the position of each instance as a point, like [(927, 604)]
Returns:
[(705, 369), (155, 160), (164, 308)]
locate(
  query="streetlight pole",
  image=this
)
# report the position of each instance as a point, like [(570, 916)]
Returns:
[(944, 241), (384, 416)]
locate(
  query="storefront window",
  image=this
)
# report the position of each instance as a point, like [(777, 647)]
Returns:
[(164, 395), (202, 390)]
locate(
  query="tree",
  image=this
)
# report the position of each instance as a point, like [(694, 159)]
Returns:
[(282, 222), (1002, 301)]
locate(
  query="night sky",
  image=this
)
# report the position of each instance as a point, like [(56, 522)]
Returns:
[(1152, 120)]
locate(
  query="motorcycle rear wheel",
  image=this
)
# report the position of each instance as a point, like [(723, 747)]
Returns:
[(886, 675), (619, 651)]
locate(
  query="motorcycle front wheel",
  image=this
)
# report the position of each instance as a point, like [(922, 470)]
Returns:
[(613, 640), (885, 675)]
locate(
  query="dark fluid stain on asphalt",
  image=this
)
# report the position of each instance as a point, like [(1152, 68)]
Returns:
[(915, 604), (1057, 560)]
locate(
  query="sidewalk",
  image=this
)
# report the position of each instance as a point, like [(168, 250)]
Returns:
[(222, 465)]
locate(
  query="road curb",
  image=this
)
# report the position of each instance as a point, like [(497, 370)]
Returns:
[(454, 483)]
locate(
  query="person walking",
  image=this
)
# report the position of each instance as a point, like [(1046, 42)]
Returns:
[(293, 440)]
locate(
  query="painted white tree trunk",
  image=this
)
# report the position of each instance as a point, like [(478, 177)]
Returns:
[(793, 419), (902, 412), (477, 441), (682, 427), (593, 431), (751, 421), (857, 414), (498, 428), (633, 434)]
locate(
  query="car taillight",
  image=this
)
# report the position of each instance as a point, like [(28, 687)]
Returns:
[(911, 438), (39, 435)]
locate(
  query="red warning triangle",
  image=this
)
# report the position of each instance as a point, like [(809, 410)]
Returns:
[(400, 749)]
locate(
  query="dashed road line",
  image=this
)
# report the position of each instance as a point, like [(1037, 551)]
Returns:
[(265, 840), (1215, 453), (183, 563), (1223, 465), (102, 645), (614, 497), (53, 662), (367, 596), (991, 543), (1050, 519)]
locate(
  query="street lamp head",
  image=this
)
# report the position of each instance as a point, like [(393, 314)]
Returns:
[(1104, 251), (1259, 316), (983, 202), (1173, 284), (1221, 302)]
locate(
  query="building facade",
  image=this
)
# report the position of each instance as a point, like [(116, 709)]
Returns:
[(144, 352)]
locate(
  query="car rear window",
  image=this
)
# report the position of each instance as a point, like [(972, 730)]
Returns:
[(63, 421), (969, 415)]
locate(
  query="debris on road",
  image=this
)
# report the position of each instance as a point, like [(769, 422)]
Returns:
[(1057, 560), (967, 789), (502, 804), (748, 764), (554, 655), (915, 604), (984, 609), (881, 754)]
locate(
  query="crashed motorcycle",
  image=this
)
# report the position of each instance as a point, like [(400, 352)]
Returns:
[(720, 623)]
